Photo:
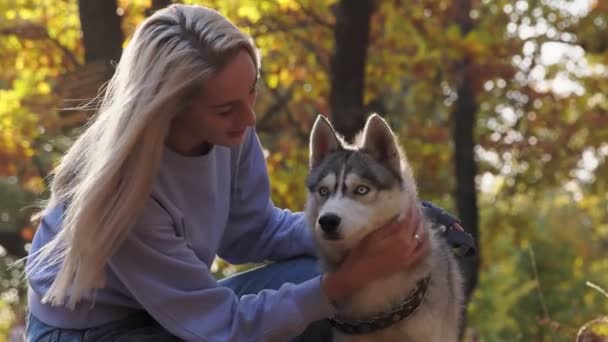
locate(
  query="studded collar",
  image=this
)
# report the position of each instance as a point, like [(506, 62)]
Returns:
[(386, 319)]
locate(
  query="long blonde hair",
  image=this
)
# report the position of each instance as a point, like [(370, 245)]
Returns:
[(105, 178)]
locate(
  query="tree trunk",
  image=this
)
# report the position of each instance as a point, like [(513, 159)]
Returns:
[(13, 244), (101, 30), (157, 5), (102, 40), (347, 66), (463, 129)]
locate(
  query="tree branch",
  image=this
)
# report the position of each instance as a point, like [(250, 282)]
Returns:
[(311, 46), (70, 56), (302, 134), (314, 16), (157, 5), (282, 100), (33, 31), (281, 27)]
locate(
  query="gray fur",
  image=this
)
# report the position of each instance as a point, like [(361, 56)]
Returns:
[(377, 163), (358, 163)]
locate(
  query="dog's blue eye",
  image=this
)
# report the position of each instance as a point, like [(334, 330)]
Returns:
[(323, 191), (362, 190)]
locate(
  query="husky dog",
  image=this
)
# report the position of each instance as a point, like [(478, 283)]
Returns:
[(353, 190)]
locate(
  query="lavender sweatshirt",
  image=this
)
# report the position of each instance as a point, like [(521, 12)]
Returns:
[(200, 207)]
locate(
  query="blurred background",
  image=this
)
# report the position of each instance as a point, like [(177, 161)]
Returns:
[(501, 107)]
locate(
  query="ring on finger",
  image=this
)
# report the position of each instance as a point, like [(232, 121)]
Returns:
[(418, 238)]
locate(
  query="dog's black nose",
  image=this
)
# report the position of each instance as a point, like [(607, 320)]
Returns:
[(329, 223)]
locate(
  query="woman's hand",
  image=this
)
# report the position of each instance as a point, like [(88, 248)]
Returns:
[(394, 247)]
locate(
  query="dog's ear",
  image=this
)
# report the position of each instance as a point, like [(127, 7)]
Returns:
[(380, 142), (323, 141)]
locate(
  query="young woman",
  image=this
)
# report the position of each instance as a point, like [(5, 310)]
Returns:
[(169, 174)]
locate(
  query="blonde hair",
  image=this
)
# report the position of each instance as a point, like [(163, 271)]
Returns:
[(105, 178)]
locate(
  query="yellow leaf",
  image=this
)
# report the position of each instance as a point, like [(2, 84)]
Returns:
[(11, 14), (249, 12), (273, 80), (285, 76), (44, 88)]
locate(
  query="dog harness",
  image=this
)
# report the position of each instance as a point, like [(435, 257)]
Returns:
[(461, 242), (384, 320)]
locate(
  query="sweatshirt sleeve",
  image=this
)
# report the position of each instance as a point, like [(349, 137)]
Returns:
[(257, 230), (175, 287)]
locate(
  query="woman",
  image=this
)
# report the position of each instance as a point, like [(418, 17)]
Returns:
[(169, 174)]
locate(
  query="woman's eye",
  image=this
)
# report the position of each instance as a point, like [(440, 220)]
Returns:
[(323, 191), (224, 111), (362, 190)]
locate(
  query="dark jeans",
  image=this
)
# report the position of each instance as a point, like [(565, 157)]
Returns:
[(141, 327)]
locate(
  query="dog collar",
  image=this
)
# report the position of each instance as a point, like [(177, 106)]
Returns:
[(384, 320)]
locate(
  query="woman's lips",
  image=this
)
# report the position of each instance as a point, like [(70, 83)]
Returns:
[(237, 133)]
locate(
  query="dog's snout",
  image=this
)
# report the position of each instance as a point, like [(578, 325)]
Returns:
[(329, 222)]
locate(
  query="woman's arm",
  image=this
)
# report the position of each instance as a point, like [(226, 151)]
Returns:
[(174, 286), (257, 230)]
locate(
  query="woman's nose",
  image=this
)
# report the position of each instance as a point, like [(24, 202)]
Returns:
[(248, 116)]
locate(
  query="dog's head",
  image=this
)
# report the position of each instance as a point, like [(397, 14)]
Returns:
[(355, 189)]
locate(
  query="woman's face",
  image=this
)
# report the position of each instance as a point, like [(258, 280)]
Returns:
[(222, 111)]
